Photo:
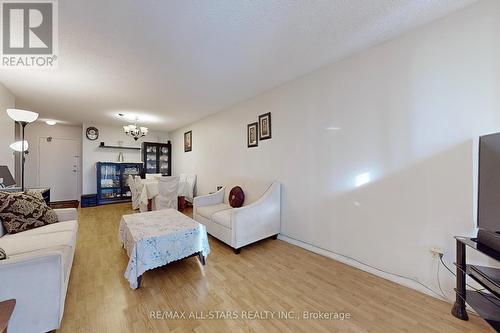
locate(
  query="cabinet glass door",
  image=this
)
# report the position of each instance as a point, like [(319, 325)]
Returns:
[(110, 181), (151, 159), (164, 153)]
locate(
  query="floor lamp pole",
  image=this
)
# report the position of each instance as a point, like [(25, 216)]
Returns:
[(23, 153)]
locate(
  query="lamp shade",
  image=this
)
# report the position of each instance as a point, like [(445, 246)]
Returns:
[(22, 115), (18, 146)]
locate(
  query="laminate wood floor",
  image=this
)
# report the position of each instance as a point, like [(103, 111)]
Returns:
[(271, 276)]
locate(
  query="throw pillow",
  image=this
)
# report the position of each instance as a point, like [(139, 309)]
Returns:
[(3, 255), (236, 197), (21, 212)]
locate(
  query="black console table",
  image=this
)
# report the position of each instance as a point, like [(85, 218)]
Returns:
[(487, 305)]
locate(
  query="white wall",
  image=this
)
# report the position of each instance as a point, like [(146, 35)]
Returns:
[(38, 130), (409, 110), (7, 100), (110, 135)]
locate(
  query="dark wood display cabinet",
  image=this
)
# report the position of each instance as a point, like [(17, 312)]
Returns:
[(157, 157)]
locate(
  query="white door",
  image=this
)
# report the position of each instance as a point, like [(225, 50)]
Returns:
[(58, 167)]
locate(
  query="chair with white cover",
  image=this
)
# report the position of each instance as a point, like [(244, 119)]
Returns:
[(153, 176), (187, 183), (133, 192), (168, 190), (142, 197)]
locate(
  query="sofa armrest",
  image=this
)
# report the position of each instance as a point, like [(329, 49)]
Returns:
[(258, 220), (66, 214), (209, 200), (36, 281)]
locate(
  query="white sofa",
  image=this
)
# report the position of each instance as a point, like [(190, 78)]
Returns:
[(36, 272), (258, 218)]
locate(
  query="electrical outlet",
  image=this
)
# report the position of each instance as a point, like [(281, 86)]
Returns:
[(436, 252)]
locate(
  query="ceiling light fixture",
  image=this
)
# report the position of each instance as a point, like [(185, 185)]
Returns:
[(51, 122), (135, 131)]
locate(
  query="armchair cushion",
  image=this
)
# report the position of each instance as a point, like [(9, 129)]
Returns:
[(30, 243), (20, 212), (236, 197), (208, 211), (48, 229), (66, 214), (21, 244), (223, 218)]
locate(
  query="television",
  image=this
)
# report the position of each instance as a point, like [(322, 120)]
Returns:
[(488, 208)]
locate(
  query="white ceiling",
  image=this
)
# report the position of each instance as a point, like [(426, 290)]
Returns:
[(174, 62)]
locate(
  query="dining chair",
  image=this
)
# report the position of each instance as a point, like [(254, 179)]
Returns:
[(168, 190), (187, 184), (142, 197), (133, 192), (153, 176)]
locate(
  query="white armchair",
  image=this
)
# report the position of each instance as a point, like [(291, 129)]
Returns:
[(168, 189), (257, 219)]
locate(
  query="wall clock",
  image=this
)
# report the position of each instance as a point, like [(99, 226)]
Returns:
[(92, 133)]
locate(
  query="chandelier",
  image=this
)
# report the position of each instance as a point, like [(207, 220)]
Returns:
[(135, 131)]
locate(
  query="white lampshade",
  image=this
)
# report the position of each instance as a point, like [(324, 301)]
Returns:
[(22, 115), (18, 146)]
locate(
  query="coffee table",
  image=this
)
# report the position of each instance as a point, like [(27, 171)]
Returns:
[(154, 239)]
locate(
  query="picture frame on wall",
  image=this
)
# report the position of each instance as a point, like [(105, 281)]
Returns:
[(252, 135), (265, 126), (188, 141)]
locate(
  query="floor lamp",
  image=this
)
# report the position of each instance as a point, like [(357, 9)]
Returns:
[(23, 118)]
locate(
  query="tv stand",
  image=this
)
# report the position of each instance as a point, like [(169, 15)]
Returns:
[(487, 305)]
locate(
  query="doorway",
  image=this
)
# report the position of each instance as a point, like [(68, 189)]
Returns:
[(59, 167)]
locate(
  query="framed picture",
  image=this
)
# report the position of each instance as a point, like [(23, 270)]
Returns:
[(188, 141), (265, 126), (252, 135)]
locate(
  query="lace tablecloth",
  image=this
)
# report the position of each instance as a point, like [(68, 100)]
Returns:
[(154, 239)]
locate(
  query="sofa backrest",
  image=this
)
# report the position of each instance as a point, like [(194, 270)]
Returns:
[(253, 188)]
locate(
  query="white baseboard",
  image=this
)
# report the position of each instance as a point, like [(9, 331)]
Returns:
[(402, 281)]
